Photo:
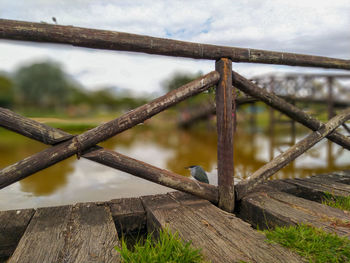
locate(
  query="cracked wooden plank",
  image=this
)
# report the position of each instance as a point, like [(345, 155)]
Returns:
[(12, 227), (222, 236), (315, 189), (267, 208), (79, 233), (339, 177)]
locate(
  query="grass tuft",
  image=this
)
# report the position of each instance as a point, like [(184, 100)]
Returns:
[(167, 247), (340, 202), (312, 243)]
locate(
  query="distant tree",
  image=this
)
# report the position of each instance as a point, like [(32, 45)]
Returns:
[(178, 79), (6, 92), (42, 85)]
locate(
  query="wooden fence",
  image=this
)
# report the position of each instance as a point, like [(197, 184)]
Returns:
[(65, 145)]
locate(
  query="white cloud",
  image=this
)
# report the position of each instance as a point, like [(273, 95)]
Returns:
[(313, 27)]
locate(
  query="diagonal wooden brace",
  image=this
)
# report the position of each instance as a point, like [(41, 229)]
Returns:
[(83, 142), (283, 106), (45, 134), (291, 154)]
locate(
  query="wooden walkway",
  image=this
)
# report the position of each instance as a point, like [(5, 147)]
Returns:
[(88, 232)]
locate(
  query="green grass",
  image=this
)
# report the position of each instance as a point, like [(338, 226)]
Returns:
[(312, 243), (72, 127), (167, 247), (341, 202)]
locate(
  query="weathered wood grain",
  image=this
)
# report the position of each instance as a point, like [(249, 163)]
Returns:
[(222, 236), (103, 39), (153, 174), (225, 110), (315, 189), (88, 139), (80, 233), (340, 177), (92, 235), (243, 187), (290, 110), (44, 237), (267, 208), (31, 128), (129, 215), (12, 226)]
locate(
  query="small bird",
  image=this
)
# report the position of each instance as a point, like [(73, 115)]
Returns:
[(54, 20), (198, 173)]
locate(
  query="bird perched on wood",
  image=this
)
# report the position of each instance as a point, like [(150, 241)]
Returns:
[(54, 20), (198, 173)]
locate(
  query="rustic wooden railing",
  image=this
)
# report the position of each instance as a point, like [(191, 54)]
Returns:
[(65, 145)]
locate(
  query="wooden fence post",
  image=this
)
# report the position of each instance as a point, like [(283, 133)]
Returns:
[(224, 115), (330, 98)]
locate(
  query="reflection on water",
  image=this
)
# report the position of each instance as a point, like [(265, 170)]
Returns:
[(74, 181)]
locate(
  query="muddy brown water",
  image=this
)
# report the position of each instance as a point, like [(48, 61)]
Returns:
[(73, 180)]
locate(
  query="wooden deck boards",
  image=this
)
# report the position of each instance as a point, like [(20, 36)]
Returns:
[(80, 233), (12, 226), (268, 208), (87, 232), (222, 236), (315, 187)]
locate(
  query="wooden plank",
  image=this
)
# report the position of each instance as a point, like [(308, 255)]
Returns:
[(80, 233), (222, 236), (339, 177), (313, 190), (111, 40), (290, 110), (267, 208), (92, 235), (225, 123), (88, 139), (44, 237), (328, 183), (129, 215), (13, 224), (291, 154)]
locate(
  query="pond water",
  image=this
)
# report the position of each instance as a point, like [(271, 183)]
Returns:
[(73, 180)]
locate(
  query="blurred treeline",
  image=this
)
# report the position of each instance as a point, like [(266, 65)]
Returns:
[(44, 88)]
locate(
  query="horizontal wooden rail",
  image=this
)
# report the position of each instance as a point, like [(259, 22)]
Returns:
[(88, 139), (114, 159), (111, 40), (291, 154), (283, 106)]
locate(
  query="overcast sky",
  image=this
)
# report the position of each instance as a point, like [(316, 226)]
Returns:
[(320, 27)]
